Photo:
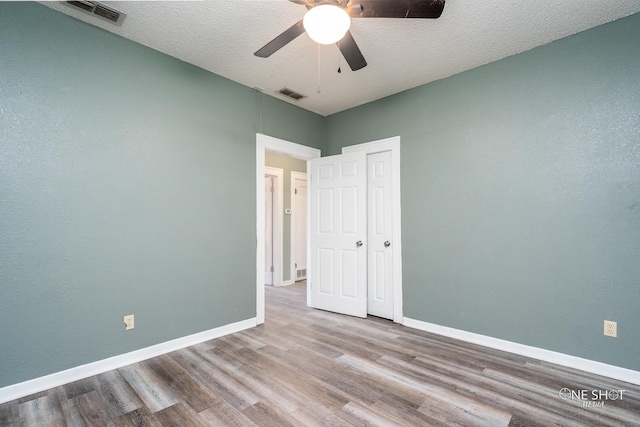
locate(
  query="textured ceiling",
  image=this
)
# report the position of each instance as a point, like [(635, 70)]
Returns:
[(221, 36)]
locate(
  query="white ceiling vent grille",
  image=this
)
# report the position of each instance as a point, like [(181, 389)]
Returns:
[(291, 94), (99, 9)]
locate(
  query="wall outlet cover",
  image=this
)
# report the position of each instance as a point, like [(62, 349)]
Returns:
[(128, 321), (610, 328)]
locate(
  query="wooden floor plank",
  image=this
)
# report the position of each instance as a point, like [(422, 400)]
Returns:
[(186, 387), (482, 391), (116, 393), (149, 387), (313, 415), (470, 411), (360, 415), (224, 414), (259, 381), (221, 384), (180, 415), (9, 414), (141, 417), (76, 388), (311, 387), (485, 388), (43, 411), (266, 416), (401, 413), (85, 410)]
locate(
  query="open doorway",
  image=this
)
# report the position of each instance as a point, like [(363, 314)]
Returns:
[(293, 232), (273, 196), (265, 144)]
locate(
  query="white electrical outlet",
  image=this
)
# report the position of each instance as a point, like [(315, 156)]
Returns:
[(610, 328), (128, 321)]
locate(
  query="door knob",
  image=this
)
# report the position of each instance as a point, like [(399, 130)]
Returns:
[(359, 243), (387, 244)]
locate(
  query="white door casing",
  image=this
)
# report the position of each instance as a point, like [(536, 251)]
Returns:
[(267, 143), (338, 215), (264, 143), (268, 230), (379, 235), (277, 176), (298, 226)]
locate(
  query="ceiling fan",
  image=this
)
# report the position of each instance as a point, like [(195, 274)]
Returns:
[(328, 21)]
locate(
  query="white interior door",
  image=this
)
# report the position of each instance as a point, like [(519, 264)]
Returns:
[(299, 225), (338, 186), (379, 235), (268, 230)]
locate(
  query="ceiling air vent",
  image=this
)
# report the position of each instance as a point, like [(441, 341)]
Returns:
[(99, 9), (291, 94)]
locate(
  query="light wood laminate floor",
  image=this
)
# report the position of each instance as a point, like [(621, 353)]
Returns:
[(307, 367)]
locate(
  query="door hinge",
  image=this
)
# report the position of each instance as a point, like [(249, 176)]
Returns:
[(296, 264), (272, 269), (295, 191), (272, 189)]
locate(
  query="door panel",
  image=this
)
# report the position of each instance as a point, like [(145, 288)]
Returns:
[(338, 231), (380, 235)]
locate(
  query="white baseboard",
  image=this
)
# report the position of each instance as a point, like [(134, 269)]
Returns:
[(36, 385), (598, 368), (285, 283)]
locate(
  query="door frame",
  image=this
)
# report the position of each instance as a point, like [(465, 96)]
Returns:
[(294, 220), (390, 144), (278, 223), (267, 143)]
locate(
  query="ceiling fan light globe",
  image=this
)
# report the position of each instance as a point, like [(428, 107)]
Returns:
[(326, 24)]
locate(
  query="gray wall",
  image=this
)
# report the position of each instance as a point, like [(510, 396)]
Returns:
[(127, 185), (521, 194), (287, 164)]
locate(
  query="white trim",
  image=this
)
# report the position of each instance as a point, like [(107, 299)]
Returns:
[(37, 385), (286, 283), (294, 215), (598, 368), (264, 143), (390, 144), (309, 269), (278, 223)]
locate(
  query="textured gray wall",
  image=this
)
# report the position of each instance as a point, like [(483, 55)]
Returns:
[(127, 185), (521, 194)]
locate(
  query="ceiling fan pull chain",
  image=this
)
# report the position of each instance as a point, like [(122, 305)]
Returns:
[(318, 90), (339, 55)]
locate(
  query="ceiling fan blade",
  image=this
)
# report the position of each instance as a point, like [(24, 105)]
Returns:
[(395, 8), (282, 40), (351, 52)]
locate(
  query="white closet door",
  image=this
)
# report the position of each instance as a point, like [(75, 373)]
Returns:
[(338, 186), (380, 235)]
